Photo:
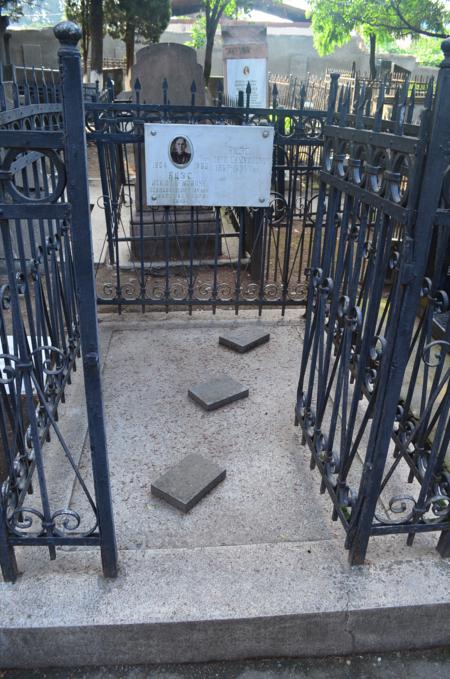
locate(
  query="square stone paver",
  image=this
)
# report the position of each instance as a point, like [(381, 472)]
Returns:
[(244, 339), (188, 482), (217, 392)]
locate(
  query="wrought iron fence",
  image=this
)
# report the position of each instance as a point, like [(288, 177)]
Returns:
[(201, 256), (368, 197), (373, 396), (47, 314), (170, 257), (24, 86)]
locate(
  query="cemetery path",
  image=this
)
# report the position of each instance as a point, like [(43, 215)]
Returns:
[(257, 568)]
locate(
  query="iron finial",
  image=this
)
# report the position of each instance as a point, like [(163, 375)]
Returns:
[(445, 47), (68, 33)]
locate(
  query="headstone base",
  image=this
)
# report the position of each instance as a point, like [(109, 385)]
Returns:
[(173, 239)]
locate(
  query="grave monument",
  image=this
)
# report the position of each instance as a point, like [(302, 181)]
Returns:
[(170, 230), (245, 61)]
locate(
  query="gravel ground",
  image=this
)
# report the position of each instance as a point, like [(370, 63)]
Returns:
[(433, 664)]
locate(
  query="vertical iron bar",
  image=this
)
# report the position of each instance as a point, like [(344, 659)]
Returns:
[(69, 35), (412, 271)]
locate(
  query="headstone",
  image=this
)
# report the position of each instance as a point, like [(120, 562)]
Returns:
[(170, 232), (188, 482), (244, 339), (177, 64), (245, 61), (217, 392)]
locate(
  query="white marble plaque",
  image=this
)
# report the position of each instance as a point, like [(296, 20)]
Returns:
[(210, 165), (240, 72)]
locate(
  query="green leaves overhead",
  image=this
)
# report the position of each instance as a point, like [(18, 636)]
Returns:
[(333, 21), (14, 8), (149, 17)]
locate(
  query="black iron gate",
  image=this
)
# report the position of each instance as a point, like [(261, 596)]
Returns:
[(374, 391)]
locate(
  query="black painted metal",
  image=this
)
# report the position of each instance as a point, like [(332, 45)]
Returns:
[(373, 396), (161, 257), (47, 313), (369, 196)]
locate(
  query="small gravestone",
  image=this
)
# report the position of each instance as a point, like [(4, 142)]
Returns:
[(188, 482), (217, 392), (244, 339), (171, 63), (244, 50)]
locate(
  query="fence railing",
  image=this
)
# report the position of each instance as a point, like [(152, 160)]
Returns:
[(224, 256), (47, 314), (374, 389), (358, 203), (171, 257)]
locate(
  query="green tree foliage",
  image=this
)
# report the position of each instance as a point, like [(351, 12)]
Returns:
[(333, 21), (427, 51), (10, 10), (14, 8), (127, 18)]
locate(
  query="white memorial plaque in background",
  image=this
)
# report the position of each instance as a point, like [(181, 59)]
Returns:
[(210, 165), (240, 72)]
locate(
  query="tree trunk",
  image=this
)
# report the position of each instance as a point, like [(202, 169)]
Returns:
[(130, 31), (96, 25), (210, 35), (85, 55), (372, 64), (85, 27), (4, 23)]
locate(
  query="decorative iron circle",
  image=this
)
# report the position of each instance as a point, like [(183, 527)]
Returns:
[(58, 169)]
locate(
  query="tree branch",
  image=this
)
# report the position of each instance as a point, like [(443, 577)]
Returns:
[(415, 29)]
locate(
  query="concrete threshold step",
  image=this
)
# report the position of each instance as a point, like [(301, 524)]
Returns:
[(220, 603)]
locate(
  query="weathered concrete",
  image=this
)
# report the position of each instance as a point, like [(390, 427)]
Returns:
[(257, 568), (291, 599)]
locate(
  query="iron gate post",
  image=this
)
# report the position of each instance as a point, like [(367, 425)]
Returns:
[(8, 562), (418, 240), (68, 35)]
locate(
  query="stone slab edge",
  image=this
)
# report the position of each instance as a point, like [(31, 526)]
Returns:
[(213, 603), (319, 635), (226, 400), (231, 344), (187, 506)]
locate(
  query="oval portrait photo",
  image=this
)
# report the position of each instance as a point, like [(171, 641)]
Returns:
[(180, 151)]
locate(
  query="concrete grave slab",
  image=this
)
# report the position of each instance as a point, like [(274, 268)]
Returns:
[(244, 339), (217, 392), (257, 570), (188, 482)]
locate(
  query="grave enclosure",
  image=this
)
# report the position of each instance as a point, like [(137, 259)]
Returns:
[(344, 229)]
